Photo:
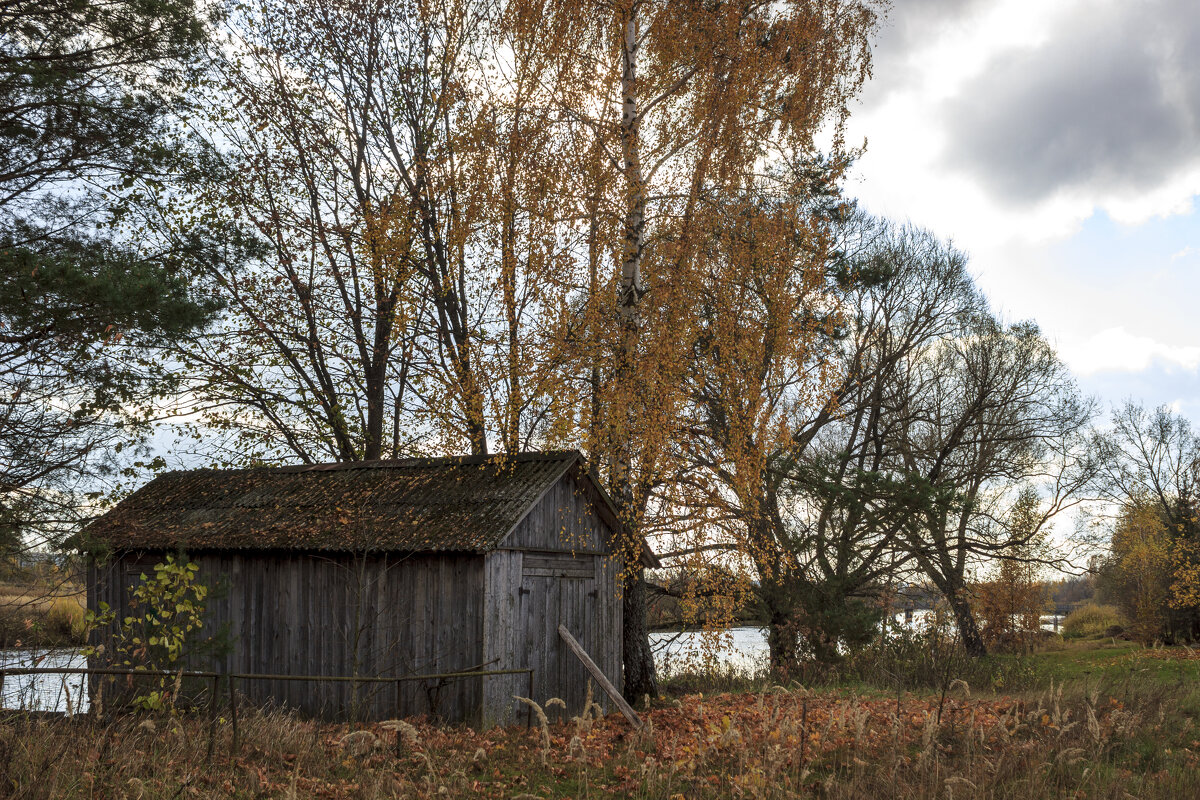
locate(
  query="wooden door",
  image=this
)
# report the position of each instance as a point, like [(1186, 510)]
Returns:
[(559, 588)]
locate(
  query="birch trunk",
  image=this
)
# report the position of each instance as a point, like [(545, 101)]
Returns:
[(638, 659)]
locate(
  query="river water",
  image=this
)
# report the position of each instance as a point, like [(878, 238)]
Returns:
[(66, 693), (744, 649)]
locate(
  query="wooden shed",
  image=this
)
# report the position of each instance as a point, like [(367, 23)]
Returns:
[(387, 569)]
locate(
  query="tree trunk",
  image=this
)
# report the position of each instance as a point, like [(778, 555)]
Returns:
[(640, 679), (968, 628), (638, 660), (781, 644), (781, 628), (375, 371)]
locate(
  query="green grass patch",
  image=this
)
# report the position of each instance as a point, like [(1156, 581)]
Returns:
[(1106, 662)]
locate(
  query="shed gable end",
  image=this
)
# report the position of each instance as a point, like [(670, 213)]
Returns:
[(567, 518)]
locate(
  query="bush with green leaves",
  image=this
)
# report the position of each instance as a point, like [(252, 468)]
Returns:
[(1092, 620), (168, 615)]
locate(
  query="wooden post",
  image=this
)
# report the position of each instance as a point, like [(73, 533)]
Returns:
[(529, 708), (399, 738), (601, 679), (804, 731), (212, 718), (233, 713)]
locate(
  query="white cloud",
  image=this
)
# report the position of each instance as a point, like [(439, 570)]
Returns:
[(1118, 350), (1102, 257)]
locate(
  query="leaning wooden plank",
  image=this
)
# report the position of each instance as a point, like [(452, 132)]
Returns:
[(608, 688)]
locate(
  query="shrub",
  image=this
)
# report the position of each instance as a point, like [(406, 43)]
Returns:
[(908, 660), (1092, 620), (164, 629)]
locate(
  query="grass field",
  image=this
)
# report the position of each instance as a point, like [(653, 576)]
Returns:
[(1099, 719), (41, 615)]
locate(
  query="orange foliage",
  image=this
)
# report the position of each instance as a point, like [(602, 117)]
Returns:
[(1011, 605), (1185, 563)]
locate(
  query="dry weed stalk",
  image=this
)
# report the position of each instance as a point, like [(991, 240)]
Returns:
[(291, 792), (543, 722), (583, 722), (859, 716), (358, 743), (575, 748), (928, 736), (1093, 725), (958, 780)]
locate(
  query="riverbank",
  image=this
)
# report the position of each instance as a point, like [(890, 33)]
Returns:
[(37, 615), (1100, 719)]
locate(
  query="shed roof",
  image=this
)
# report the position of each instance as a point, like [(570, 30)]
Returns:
[(420, 504)]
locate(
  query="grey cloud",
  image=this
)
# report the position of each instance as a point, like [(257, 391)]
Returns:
[(907, 26), (1112, 102)]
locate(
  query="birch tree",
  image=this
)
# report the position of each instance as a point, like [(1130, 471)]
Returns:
[(693, 99), (480, 220)]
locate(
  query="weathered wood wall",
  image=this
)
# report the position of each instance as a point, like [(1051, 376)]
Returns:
[(389, 615), (555, 567), (302, 614)]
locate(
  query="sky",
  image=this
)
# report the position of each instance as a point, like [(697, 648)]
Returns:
[(1057, 143)]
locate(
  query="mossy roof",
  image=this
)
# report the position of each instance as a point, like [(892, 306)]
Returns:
[(465, 504)]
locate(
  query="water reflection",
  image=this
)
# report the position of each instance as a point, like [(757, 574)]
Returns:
[(65, 693)]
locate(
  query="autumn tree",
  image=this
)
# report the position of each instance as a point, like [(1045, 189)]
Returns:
[(1010, 604), (851, 495), (818, 513), (764, 309), (1152, 571), (1138, 573), (691, 100), (997, 415), (478, 221), (937, 415), (401, 171)]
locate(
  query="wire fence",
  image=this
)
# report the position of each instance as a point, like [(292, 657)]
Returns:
[(231, 680)]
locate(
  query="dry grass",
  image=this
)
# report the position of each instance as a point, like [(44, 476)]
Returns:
[(41, 616), (1088, 739)]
